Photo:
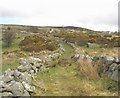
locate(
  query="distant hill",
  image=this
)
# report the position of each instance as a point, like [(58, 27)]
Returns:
[(38, 29)]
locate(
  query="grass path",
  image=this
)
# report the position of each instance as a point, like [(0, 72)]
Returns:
[(60, 80), (63, 81)]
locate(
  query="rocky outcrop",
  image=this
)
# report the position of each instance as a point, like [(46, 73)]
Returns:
[(111, 66), (19, 82), (108, 65), (92, 45)]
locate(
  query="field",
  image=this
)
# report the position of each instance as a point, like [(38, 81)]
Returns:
[(63, 77)]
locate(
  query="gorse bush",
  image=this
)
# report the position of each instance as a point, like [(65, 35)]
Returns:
[(115, 41), (79, 38), (83, 38), (37, 43), (107, 35)]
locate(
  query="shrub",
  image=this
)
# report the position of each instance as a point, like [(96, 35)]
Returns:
[(95, 36), (115, 41), (37, 43), (107, 35), (8, 37), (92, 40), (79, 38), (83, 38)]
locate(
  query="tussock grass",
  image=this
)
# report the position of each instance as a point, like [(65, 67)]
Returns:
[(88, 69)]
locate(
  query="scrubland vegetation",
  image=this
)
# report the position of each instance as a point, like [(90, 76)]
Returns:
[(82, 39), (65, 76), (37, 43)]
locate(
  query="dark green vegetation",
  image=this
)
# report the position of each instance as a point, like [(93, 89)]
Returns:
[(11, 55), (65, 79), (8, 37)]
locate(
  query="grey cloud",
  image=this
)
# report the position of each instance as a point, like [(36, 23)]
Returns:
[(10, 13), (110, 20)]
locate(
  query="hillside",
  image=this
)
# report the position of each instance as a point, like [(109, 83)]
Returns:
[(57, 61), (38, 29)]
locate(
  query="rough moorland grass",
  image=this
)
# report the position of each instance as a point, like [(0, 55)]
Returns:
[(86, 69), (64, 81), (14, 46), (10, 62), (60, 81), (101, 51)]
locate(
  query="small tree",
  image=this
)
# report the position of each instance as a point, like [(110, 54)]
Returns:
[(8, 37)]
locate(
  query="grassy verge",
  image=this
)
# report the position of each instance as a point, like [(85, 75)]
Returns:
[(10, 64)]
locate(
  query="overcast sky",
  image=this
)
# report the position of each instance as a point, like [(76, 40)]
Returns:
[(92, 14)]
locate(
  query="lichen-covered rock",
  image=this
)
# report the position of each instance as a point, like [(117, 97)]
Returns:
[(20, 77), (7, 94), (28, 87), (92, 45), (22, 68), (7, 78), (16, 88), (26, 93), (16, 75), (23, 61), (9, 72), (113, 67), (115, 76), (26, 77), (19, 81), (108, 60)]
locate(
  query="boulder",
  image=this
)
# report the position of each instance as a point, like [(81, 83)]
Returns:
[(33, 60), (108, 60), (23, 61), (115, 76), (35, 69), (92, 45), (113, 67), (117, 60), (32, 73), (16, 88), (20, 77), (7, 94), (9, 72), (87, 57), (28, 87), (26, 93), (22, 68), (16, 75), (76, 57), (18, 82), (25, 77), (109, 74), (7, 78), (96, 58)]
